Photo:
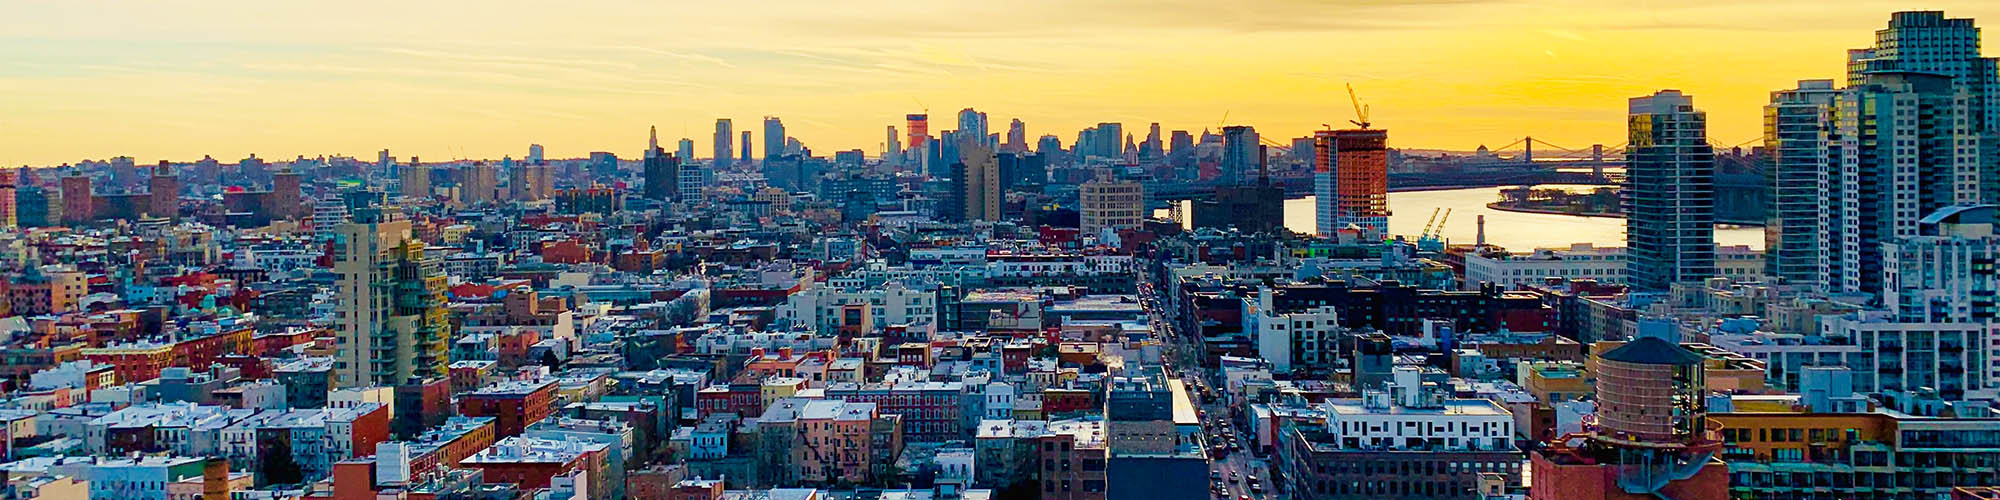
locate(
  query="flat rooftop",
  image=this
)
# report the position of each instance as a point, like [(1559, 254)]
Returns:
[(1354, 406)]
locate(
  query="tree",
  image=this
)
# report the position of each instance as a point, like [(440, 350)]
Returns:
[(278, 466), (1024, 489)]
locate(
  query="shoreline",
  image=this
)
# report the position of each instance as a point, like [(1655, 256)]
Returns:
[(1506, 208), (1509, 208), (1412, 189)]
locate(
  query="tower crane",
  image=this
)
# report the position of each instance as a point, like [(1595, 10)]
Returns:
[(1360, 110)]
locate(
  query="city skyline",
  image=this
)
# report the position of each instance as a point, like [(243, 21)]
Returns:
[(177, 82)]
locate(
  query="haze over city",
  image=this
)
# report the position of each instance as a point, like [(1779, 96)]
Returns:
[(1015, 250), (178, 80)]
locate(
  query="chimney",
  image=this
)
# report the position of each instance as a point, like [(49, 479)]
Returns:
[(215, 478), (1263, 164), (1481, 240), (785, 352), (756, 352)]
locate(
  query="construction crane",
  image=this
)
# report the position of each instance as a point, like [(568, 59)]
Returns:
[(1360, 110), (1428, 223), (1433, 238)]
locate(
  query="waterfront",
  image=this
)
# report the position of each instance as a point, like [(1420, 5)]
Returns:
[(1514, 230)]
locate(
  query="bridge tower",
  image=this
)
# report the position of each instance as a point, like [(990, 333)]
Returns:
[(1597, 161), (1528, 150)]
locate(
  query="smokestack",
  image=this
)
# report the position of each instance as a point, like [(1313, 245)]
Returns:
[(1481, 239), (1263, 164)]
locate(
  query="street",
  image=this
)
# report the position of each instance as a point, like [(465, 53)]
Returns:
[(1235, 470), (1240, 465)]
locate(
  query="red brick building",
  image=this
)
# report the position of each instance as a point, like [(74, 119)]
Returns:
[(513, 405), (531, 463), (744, 399)]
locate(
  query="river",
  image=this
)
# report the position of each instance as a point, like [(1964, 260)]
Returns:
[(1513, 230)]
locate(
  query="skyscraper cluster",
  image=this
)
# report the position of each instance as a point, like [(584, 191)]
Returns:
[(1852, 169)]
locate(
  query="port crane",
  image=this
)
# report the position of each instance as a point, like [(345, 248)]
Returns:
[(1432, 239)]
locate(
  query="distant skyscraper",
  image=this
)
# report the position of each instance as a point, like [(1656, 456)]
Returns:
[(972, 125), (746, 148), (286, 198), (77, 203), (478, 184), (252, 168), (415, 179), (723, 134), (1253, 208), (124, 172), (382, 161), (774, 138), (1017, 136), (1350, 181), (163, 191), (1902, 154), (1151, 148), (529, 181), (892, 147), (1049, 145), (1180, 154), (685, 150), (393, 325), (918, 126), (982, 181), (662, 173), (535, 154), (1239, 155), (1798, 141), (1669, 197), (652, 142), (604, 164), (1107, 142)]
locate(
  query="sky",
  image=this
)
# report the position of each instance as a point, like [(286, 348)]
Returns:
[(442, 79)]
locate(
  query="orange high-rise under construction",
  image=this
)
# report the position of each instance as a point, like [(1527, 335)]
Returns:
[(918, 126), (1352, 170)]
